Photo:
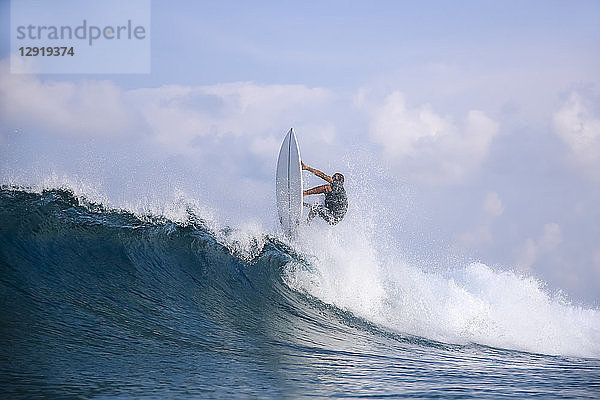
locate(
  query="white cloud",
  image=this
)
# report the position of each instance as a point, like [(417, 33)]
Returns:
[(179, 119), (429, 147), (551, 238), (205, 120), (265, 145), (481, 234), (492, 207), (400, 129), (177, 115), (528, 255), (533, 249), (91, 108), (579, 128)]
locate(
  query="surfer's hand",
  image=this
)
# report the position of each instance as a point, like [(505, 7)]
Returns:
[(304, 166)]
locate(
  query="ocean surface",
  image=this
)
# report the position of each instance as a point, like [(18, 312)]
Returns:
[(101, 302)]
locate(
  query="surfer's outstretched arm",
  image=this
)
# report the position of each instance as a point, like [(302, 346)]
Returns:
[(318, 190), (318, 173)]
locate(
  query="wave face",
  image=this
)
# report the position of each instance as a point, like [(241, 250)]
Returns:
[(99, 302)]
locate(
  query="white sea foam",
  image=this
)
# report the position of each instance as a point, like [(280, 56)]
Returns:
[(474, 303)]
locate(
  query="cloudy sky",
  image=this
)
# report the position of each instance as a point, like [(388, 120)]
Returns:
[(472, 128)]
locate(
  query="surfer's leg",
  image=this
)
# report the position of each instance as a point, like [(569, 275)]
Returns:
[(314, 210), (328, 216), (323, 212)]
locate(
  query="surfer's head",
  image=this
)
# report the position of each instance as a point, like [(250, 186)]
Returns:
[(338, 178)]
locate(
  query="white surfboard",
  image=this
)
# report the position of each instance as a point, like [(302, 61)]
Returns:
[(288, 185)]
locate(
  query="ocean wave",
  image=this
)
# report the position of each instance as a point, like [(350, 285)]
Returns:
[(90, 269)]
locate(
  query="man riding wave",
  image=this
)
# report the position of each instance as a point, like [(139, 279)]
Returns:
[(336, 201)]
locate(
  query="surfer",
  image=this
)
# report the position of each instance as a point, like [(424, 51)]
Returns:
[(336, 201)]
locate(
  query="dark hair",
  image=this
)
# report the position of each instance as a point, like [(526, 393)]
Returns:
[(338, 177)]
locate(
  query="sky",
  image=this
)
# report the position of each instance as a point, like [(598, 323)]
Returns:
[(471, 128)]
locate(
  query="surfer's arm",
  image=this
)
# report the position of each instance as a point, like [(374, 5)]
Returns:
[(318, 173), (318, 190)]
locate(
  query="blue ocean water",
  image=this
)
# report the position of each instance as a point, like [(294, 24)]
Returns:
[(104, 303)]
